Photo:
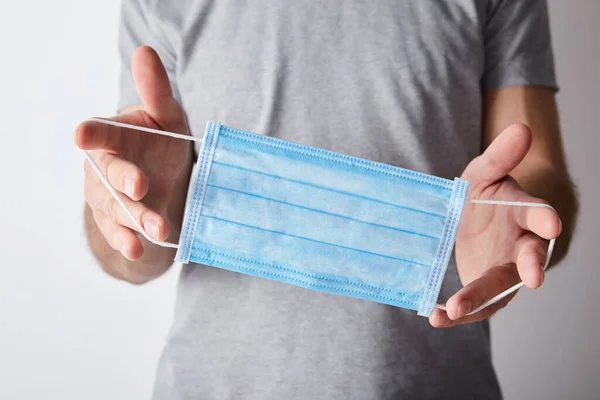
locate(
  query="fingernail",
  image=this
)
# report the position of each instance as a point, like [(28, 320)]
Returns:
[(543, 275), (151, 228), (442, 321), (129, 185), (124, 251), (559, 226), (463, 308)]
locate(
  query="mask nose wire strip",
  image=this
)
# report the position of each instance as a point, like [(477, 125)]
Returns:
[(112, 190), (519, 285)]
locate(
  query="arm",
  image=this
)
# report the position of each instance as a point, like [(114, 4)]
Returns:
[(543, 172), (498, 246), (160, 168), (522, 161)]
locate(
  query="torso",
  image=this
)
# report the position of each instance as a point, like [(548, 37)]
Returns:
[(392, 81)]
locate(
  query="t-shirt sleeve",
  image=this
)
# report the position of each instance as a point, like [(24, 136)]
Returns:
[(518, 46), (139, 25)]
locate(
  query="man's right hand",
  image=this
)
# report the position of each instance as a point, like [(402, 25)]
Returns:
[(150, 172)]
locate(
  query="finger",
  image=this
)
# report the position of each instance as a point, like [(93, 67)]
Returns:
[(530, 253), (99, 199), (123, 175), (501, 157), (439, 318), (494, 281), (543, 221), (94, 135), (154, 88), (119, 237)]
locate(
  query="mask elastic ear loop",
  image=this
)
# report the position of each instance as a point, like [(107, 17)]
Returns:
[(519, 285), (112, 190)]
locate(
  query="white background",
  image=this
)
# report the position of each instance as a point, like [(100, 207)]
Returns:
[(67, 331)]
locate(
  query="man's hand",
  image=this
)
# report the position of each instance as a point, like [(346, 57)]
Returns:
[(151, 172), (497, 245)]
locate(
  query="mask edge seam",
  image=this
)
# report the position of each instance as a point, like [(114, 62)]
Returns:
[(441, 183), (238, 268), (190, 221), (438, 270)]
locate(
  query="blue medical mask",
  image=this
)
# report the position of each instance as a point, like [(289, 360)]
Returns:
[(314, 218)]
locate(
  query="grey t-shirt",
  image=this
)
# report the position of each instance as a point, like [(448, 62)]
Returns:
[(396, 81)]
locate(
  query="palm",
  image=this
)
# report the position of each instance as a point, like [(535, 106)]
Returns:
[(488, 234), (497, 245), (162, 159)]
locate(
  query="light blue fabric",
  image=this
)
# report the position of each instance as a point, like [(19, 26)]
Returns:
[(298, 214)]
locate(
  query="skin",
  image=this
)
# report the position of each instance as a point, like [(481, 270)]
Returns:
[(522, 161), (150, 171), (499, 246)]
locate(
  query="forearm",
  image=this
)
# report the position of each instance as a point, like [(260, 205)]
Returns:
[(543, 173)]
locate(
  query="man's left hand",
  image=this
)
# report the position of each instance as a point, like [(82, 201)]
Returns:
[(498, 245)]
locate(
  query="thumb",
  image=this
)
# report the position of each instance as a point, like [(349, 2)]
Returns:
[(153, 86), (501, 157)]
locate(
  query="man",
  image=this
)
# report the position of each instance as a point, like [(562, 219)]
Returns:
[(421, 85)]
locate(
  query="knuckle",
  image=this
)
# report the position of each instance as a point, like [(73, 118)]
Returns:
[(541, 249), (111, 209), (99, 156), (146, 214), (104, 161), (529, 245), (109, 165), (491, 162), (534, 247)]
